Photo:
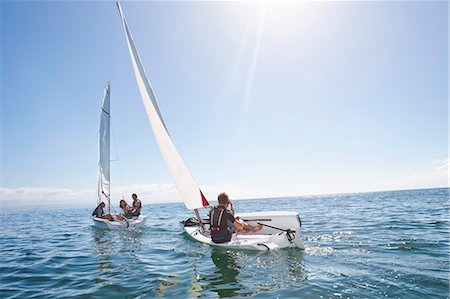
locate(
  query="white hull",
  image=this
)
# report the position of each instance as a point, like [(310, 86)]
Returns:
[(265, 239), (106, 224)]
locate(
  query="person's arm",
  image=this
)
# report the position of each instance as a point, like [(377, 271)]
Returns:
[(231, 206), (95, 211), (237, 224), (139, 205)]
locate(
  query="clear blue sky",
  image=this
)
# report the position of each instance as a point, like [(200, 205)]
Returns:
[(274, 99)]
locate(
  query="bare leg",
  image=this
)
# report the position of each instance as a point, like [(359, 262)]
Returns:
[(248, 228), (108, 216), (121, 218), (251, 228)]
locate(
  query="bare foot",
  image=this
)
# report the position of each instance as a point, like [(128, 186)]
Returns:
[(257, 228)]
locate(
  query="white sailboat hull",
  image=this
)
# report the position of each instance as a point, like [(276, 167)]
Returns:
[(286, 234), (106, 224)]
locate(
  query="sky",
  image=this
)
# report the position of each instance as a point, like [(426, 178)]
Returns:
[(262, 99)]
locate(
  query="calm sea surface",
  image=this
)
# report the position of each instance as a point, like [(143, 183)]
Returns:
[(371, 245)]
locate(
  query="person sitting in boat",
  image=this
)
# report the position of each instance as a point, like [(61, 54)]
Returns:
[(99, 213), (223, 223), (127, 210), (137, 205)]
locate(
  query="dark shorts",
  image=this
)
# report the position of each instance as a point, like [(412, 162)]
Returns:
[(221, 237), (129, 215)]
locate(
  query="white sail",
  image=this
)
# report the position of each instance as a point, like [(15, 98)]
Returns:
[(104, 148), (184, 182)]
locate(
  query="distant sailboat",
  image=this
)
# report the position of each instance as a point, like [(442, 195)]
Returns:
[(103, 188), (283, 229)]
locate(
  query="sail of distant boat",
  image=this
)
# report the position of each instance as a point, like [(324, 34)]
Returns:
[(184, 182), (104, 149), (108, 221)]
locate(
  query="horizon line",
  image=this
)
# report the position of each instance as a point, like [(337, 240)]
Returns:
[(80, 204)]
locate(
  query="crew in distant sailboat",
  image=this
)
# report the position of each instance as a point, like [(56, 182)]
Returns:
[(223, 223), (127, 210), (99, 213), (137, 205)]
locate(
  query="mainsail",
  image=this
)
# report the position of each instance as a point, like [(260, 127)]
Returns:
[(104, 149), (184, 182)]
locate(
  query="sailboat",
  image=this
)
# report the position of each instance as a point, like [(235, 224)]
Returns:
[(281, 229), (103, 188)]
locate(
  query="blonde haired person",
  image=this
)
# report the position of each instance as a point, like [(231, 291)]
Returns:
[(223, 223)]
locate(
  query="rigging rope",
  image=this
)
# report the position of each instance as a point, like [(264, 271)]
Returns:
[(118, 165)]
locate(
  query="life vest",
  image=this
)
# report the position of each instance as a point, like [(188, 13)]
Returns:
[(137, 212), (135, 203), (220, 232), (96, 212)]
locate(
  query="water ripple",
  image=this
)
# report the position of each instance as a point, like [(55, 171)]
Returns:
[(372, 245)]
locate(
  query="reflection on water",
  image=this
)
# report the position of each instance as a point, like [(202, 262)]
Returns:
[(116, 252), (102, 246), (292, 261), (195, 290), (126, 261), (225, 282), (165, 284), (245, 273), (273, 270)]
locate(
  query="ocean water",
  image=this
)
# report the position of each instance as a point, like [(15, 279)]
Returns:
[(368, 245)]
